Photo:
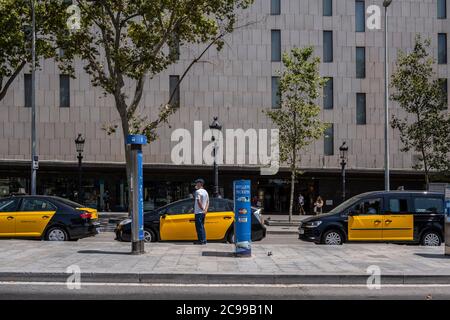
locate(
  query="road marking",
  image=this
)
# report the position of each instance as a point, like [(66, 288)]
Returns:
[(105, 284)]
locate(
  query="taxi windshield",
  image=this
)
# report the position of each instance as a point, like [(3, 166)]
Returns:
[(344, 205)]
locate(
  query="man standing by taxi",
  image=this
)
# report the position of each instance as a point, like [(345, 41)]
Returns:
[(201, 204)]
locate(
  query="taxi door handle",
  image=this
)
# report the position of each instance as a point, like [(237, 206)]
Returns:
[(45, 217), (227, 218), (388, 221), (10, 218), (377, 221)]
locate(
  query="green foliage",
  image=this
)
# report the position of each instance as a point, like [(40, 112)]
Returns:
[(298, 116), (15, 39), (426, 129)]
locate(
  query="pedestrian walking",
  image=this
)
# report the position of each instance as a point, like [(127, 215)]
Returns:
[(106, 199), (301, 203), (201, 205), (318, 205)]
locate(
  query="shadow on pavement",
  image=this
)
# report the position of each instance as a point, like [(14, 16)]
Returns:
[(433, 255), (103, 252), (218, 254)]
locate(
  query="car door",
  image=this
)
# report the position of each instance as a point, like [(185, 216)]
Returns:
[(218, 219), (8, 208), (398, 220), (365, 221), (33, 216), (178, 222)]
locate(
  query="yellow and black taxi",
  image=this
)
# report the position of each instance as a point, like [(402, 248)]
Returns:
[(176, 222), (383, 216), (46, 217)]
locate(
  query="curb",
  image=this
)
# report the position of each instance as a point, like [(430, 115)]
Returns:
[(281, 232), (258, 279)]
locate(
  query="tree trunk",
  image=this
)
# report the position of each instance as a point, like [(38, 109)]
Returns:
[(291, 202)]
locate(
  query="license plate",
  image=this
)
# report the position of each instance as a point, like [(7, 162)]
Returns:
[(301, 231)]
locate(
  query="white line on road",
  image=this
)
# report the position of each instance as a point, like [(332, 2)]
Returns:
[(105, 284)]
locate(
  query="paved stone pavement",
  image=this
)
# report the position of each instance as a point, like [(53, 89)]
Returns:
[(28, 256)]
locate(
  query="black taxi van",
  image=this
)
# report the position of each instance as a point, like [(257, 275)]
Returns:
[(380, 216)]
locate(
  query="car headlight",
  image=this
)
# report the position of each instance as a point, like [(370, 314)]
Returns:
[(313, 224), (125, 221)]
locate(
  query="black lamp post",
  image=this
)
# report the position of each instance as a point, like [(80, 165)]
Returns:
[(343, 150), (79, 143), (215, 125)]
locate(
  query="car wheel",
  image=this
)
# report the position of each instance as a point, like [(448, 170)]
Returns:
[(431, 239), (149, 236), (332, 238), (56, 234), (230, 236)]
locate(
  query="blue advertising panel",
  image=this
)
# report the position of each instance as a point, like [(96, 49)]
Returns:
[(140, 195), (243, 217)]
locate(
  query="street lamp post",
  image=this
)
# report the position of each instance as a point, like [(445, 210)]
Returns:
[(33, 100), (215, 125), (343, 150), (387, 187), (79, 143)]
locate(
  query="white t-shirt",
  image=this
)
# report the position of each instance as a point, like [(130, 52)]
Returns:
[(202, 195)]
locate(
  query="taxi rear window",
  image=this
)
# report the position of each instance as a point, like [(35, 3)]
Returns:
[(428, 205)]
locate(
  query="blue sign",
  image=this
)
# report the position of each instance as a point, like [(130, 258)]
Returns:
[(242, 217), (447, 207), (136, 139)]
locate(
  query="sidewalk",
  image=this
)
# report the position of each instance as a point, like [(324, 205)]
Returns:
[(215, 263)]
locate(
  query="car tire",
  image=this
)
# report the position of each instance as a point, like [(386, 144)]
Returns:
[(333, 237), (230, 236), (149, 236), (56, 234), (431, 238)]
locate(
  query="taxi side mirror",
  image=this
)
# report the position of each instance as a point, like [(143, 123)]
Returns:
[(351, 213)]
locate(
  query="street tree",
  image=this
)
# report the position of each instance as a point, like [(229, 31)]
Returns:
[(425, 129), (126, 42), (15, 40), (298, 114)]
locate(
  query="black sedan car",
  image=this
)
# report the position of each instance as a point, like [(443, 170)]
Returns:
[(175, 222), (46, 217)]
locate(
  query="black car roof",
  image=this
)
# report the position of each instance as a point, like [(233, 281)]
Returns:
[(400, 192)]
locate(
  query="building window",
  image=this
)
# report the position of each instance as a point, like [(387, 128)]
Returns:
[(361, 108), (275, 94), (275, 7), (360, 62), (174, 47), (442, 9), (173, 86), (27, 90), (276, 45), (328, 95), (329, 140), (442, 48), (328, 46), (327, 8), (444, 86), (360, 15), (64, 91)]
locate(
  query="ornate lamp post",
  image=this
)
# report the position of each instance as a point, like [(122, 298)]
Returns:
[(79, 143), (343, 150), (215, 125)]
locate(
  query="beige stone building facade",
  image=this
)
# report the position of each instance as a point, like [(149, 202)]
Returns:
[(235, 84)]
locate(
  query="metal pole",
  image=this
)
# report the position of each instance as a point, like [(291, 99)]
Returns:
[(343, 180), (386, 104), (80, 157), (216, 172), (33, 100)]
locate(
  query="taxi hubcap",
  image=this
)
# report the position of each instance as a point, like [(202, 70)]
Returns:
[(56, 235), (431, 239), (333, 238), (147, 236)]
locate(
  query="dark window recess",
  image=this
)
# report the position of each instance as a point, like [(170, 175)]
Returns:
[(444, 88), (442, 48), (275, 94), (442, 9), (174, 46), (360, 16), (329, 140), (27, 84), (275, 7), (174, 90), (328, 46), (328, 94), (360, 62), (361, 108), (64, 91), (276, 45), (327, 8)]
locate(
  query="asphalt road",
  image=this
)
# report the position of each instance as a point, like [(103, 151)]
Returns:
[(11, 291)]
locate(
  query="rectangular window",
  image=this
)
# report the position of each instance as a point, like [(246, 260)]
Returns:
[(64, 91), (27, 90), (442, 9), (398, 205), (276, 45), (428, 205), (360, 16), (327, 8), (328, 46), (360, 62), (275, 7), (442, 48), (444, 86), (328, 94), (360, 108), (174, 47), (173, 82), (275, 95), (329, 140)]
